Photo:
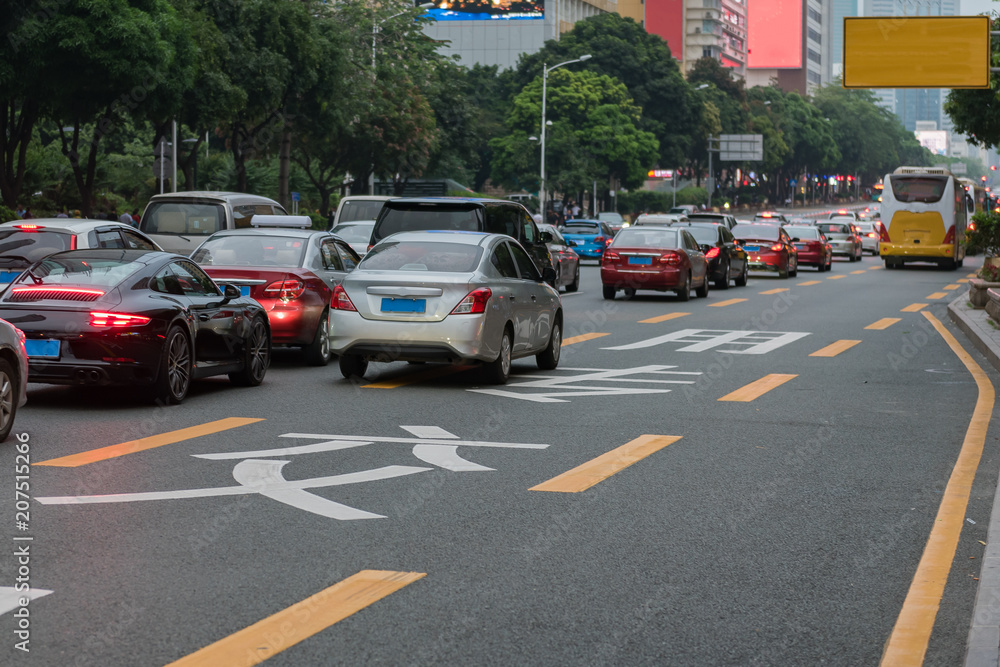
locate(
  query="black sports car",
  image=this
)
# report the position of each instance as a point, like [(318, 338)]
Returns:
[(135, 317)]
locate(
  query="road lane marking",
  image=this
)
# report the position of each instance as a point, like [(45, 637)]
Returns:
[(834, 349), (659, 318), (810, 282), (907, 645), (913, 307), (883, 323), (758, 388), (970, 275), (937, 295), (272, 635), (873, 268), (429, 432), (776, 290), (142, 444), (962, 280), (10, 597), (854, 273), (949, 288), (596, 470), (727, 302), (582, 337), (421, 376), (836, 277), (700, 340)]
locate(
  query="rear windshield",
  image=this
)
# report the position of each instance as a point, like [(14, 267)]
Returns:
[(362, 209), (581, 228), (804, 232), (702, 235), (426, 217), (76, 270), (925, 189), (423, 256), (832, 228), (767, 232), (183, 218), (22, 248), (647, 238), (354, 233), (251, 250)]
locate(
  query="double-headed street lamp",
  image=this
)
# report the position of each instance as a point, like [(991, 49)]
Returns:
[(545, 78)]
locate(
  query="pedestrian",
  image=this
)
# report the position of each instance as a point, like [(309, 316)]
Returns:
[(63, 213), (126, 219), (27, 214), (135, 218)]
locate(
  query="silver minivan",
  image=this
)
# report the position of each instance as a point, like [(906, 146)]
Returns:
[(180, 221)]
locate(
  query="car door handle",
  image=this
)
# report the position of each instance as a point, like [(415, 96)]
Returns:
[(533, 298), (513, 298), (204, 317)]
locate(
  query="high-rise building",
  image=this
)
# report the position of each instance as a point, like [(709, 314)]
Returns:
[(835, 29), (695, 29)]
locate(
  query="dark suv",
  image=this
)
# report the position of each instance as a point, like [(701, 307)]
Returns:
[(494, 216)]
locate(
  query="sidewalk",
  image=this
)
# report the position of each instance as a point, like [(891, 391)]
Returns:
[(983, 646)]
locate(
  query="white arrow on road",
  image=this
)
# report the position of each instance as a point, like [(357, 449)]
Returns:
[(10, 597)]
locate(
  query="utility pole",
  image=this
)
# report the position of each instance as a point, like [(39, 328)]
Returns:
[(710, 181)]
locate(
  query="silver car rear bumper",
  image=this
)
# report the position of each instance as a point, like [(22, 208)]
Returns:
[(455, 339)]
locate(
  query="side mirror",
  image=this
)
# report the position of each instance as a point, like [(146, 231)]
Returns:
[(795, 239), (705, 247), (571, 244), (545, 237), (230, 292), (548, 275)]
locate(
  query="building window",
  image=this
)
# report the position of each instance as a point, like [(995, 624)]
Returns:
[(815, 16), (815, 36), (815, 57), (814, 77)]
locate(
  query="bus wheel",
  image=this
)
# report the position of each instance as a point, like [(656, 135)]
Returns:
[(948, 265)]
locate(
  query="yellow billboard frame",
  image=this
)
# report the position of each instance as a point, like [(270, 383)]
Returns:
[(917, 52)]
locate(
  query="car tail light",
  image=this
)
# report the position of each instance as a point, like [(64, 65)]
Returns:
[(599, 240), (98, 319), (370, 246), (119, 360), (972, 226), (872, 235), (474, 302), (777, 247), (670, 258), (340, 300), (72, 242), (712, 253), (29, 228), (884, 231), (610, 256), (608, 241), (950, 236), (285, 289)]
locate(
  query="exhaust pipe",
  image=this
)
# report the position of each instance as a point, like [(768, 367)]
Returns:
[(80, 376), (95, 377)]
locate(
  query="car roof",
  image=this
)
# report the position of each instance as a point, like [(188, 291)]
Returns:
[(454, 200), (231, 197), (587, 220), (128, 254), (71, 225), (271, 231)]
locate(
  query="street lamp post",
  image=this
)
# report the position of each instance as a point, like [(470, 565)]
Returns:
[(545, 78)]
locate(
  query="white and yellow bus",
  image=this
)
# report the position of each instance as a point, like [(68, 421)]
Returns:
[(924, 216)]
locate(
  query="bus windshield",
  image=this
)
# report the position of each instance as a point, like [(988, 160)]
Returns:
[(924, 189)]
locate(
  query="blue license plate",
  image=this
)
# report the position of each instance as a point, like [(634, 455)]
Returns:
[(8, 276), (640, 260), (42, 348), (404, 305), (751, 248), (244, 290)]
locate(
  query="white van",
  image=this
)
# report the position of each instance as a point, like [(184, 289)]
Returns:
[(180, 221), (359, 207)]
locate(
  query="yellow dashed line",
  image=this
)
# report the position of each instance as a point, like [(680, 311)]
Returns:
[(834, 349), (596, 470), (835, 277), (809, 282), (962, 280), (728, 302), (582, 337), (937, 295), (758, 388), (913, 307), (854, 273), (883, 323), (949, 288), (777, 290), (659, 318)]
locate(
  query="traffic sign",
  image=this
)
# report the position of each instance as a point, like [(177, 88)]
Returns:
[(295, 196), (163, 166), (917, 52), (741, 147)]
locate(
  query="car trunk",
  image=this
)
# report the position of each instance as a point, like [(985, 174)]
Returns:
[(424, 297)]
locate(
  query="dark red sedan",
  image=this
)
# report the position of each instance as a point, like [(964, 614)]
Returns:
[(769, 248), (654, 258), (291, 272), (812, 246)]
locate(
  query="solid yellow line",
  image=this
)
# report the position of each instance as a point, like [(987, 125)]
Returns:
[(413, 378), (854, 273), (758, 388), (142, 444), (659, 318), (913, 307), (883, 323), (949, 288), (596, 470), (810, 282), (836, 277), (272, 635), (908, 642), (727, 302), (937, 295), (582, 337), (775, 291), (834, 349)]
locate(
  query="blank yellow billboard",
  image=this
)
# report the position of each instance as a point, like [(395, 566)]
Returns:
[(917, 52)]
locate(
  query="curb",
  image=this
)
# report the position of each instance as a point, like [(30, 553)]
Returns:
[(983, 644)]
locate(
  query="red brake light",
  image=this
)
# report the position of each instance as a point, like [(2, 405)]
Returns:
[(285, 289), (872, 235), (884, 231), (608, 241), (474, 302), (670, 258), (72, 242), (29, 228), (972, 226), (712, 252), (777, 247), (950, 236), (599, 240), (117, 320), (610, 256), (340, 300)]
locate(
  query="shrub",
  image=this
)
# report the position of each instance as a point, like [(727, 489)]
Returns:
[(985, 234)]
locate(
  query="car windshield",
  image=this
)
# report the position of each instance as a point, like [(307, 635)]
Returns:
[(810, 233), (703, 235), (832, 228), (766, 232), (924, 189), (354, 233), (647, 238), (577, 227), (423, 256), (183, 218), (251, 250), (28, 247), (423, 217), (77, 270), (361, 209)]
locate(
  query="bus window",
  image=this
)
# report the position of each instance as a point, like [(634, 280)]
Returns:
[(923, 189)]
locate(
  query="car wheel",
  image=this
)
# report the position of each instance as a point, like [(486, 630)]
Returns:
[(960, 262), (318, 351), (498, 371), (609, 292), (352, 366), (548, 358), (723, 282), (702, 291), (9, 384), (684, 293), (174, 377), (794, 272), (829, 263), (575, 285), (742, 280), (629, 292), (256, 355), (852, 258)]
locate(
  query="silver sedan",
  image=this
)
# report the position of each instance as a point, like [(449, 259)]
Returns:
[(454, 297)]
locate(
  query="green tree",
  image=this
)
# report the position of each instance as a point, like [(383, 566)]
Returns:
[(974, 112)]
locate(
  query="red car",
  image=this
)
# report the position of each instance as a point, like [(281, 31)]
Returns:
[(769, 248), (654, 258), (291, 272), (812, 246)]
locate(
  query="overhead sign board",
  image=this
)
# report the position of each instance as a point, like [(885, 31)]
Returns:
[(486, 10), (917, 52), (741, 147)]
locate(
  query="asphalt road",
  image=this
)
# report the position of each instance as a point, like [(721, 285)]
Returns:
[(782, 529)]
